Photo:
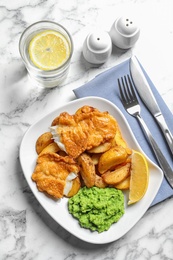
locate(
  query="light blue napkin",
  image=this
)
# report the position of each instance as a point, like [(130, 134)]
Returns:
[(105, 85)]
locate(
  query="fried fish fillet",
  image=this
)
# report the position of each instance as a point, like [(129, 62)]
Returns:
[(51, 173), (86, 129)]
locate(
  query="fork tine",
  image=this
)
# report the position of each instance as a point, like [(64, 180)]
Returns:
[(131, 88), (123, 88), (120, 89), (126, 89)]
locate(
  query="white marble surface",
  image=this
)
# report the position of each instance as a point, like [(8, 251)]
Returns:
[(26, 230)]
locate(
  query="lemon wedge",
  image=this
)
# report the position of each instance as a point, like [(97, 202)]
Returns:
[(48, 50), (139, 177)]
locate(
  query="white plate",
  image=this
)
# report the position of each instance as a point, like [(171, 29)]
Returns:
[(58, 210)]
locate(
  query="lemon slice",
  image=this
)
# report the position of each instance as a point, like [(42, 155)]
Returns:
[(48, 50), (139, 177)]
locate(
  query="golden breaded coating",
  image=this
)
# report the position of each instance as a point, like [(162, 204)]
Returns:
[(86, 129), (51, 172)]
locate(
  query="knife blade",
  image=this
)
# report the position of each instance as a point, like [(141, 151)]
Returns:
[(149, 100)]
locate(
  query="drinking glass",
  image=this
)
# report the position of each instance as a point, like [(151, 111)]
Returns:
[(44, 78)]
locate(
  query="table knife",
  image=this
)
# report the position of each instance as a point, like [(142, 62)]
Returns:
[(148, 98)]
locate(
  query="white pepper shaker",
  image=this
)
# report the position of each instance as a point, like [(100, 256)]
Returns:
[(124, 32)]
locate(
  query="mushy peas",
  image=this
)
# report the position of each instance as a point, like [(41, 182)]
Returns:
[(97, 208)]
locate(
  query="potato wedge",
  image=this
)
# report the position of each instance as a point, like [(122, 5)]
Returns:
[(123, 185), (51, 148), (101, 148), (43, 141), (114, 156), (75, 187), (118, 175), (95, 158), (128, 160), (99, 182), (87, 169), (119, 141)]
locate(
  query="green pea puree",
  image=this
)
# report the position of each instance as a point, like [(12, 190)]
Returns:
[(97, 208)]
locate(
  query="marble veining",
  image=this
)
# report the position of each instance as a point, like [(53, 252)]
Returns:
[(26, 230)]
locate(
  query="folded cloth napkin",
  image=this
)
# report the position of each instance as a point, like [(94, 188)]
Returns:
[(105, 85)]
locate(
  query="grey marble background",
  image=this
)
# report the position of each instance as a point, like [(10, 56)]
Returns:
[(26, 231)]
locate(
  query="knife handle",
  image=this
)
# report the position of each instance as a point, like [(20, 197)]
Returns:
[(168, 136), (168, 172)]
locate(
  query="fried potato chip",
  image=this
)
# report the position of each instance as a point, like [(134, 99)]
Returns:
[(51, 148), (87, 169), (118, 175), (114, 156), (101, 148), (95, 158), (123, 185), (99, 182), (43, 141), (76, 185), (128, 160)]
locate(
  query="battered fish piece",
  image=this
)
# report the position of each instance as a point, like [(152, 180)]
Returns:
[(86, 129), (51, 173)]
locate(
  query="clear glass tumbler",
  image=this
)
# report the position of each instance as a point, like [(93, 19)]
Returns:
[(44, 78)]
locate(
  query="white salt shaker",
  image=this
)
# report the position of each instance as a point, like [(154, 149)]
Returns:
[(124, 32), (97, 47)]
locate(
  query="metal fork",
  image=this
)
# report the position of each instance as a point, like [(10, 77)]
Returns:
[(131, 104)]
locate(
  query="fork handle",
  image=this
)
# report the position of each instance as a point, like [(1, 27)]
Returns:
[(168, 172)]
